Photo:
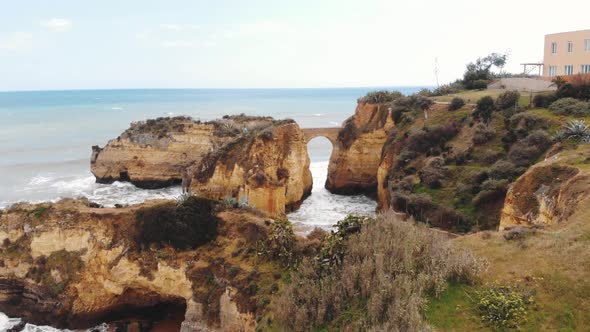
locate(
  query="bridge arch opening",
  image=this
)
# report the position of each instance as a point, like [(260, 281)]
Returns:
[(324, 209), (319, 149)]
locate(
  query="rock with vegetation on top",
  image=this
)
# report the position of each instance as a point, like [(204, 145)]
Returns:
[(258, 161)]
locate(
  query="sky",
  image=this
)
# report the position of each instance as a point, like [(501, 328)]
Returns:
[(112, 44)]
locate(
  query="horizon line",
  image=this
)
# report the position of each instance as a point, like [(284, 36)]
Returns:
[(228, 88)]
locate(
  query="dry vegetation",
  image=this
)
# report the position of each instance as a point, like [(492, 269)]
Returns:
[(379, 280)]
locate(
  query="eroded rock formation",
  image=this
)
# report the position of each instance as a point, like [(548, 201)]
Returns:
[(550, 191), (69, 265), (255, 160), (357, 152), (268, 170)]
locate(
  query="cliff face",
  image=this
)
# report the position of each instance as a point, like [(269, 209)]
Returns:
[(153, 154), (268, 170), (357, 152), (257, 160), (550, 191), (69, 265)]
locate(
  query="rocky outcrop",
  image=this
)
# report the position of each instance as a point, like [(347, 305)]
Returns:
[(550, 191), (153, 154), (356, 155), (254, 160), (71, 266), (268, 170)]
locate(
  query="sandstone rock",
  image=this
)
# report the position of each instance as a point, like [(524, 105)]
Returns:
[(116, 280), (548, 192), (256, 160), (356, 156), (269, 171)]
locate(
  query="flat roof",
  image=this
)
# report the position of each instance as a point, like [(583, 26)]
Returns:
[(559, 33)]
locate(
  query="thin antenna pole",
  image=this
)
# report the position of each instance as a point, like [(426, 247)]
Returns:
[(436, 71)]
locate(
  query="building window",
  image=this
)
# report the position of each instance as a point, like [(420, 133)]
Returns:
[(570, 46), (554, 48), (585, 69), (587, 45), (552, 71), (568, 70)]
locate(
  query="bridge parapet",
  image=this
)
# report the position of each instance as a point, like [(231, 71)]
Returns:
[(331, 133)]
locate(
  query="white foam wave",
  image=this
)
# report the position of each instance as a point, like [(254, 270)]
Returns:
[(44, 188), (318, 114), (7, 323), (323, 209), (38, 180), (116, 108), (334, 123)]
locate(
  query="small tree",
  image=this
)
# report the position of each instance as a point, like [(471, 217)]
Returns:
[(480, 70), (484, 109)]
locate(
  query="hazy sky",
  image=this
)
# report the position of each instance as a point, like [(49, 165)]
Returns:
[(76, 44)]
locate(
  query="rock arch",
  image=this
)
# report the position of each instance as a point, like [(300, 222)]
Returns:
[(330, 133)]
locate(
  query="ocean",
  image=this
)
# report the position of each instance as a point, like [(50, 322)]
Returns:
[(46, 139)]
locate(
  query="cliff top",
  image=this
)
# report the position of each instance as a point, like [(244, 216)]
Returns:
[(228, 125)]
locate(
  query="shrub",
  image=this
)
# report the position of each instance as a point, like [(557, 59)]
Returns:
[(379, 97), (543, 100), (504, 169), (388, 269), (433, 173), (503, 307), (428, 138), (491, 190), (423, 103), (484, 109), (479, 85), (526, 151), (187, 225), (456, 103), (447, 89), (507, 100), (523, 123), (482, 134), (280, 244), (423, 209), (570, 106)]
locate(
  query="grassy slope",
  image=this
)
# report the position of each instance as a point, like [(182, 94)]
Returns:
[(472, 96), (554, 263)]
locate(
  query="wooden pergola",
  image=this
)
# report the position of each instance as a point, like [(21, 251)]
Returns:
[(533, 65)]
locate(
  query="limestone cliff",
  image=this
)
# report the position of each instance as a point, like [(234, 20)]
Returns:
[(550, 191), (69, 265), (267, 170), (357, 153), (257, 160)]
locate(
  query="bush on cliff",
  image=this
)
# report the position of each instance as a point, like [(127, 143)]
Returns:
[(484, 109), (433, 138), (483, 134), (188, 224), (381, 283), (526, 151), (544, 100), (379, 97), (456, 103), (570, 106), (508, 100)]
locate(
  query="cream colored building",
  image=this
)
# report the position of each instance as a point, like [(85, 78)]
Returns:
[(567, 53)]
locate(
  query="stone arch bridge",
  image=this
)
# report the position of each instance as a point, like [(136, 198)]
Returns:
[(330, 133)]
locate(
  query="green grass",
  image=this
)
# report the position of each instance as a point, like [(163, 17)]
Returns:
[(454, 310), (472, 96)]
